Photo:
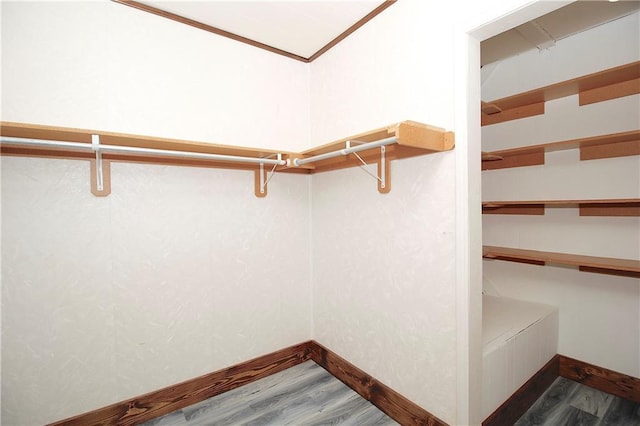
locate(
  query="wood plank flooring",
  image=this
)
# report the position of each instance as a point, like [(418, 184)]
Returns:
[(569, 403), (302, 395)]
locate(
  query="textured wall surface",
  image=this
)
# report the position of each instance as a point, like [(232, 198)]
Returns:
[(101, 65), (599, 314), (383, 277), (179, 272), (384, 266), (352, 92)]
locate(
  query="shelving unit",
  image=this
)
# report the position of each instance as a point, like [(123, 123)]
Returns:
[(608, 207), (592, 148), (604, 265), (601, 86), (597, 87), (405, 139)]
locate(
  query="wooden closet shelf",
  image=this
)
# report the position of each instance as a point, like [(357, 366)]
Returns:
[(605, 207), (34, 131), (401, 140), (592, 148), (413, 139), (606, 265), (613, 83)]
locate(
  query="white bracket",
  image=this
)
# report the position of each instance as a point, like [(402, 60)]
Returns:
[(262, 178), (100, 171), (383, 176), (95, 145)]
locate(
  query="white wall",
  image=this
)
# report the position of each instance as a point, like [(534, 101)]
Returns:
[(176, 274), (599, 48), (179, 272), (385, 297), (408, 63), (395, 68), (598, 313), (105, 66)]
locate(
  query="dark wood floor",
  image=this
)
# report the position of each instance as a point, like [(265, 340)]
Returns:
[(302, 395), (568, 403)]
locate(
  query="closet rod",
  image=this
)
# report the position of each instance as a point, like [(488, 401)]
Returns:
[(346, 151), (136, 150)]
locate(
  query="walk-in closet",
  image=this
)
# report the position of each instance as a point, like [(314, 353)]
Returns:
[(561, 206), (303, 204)]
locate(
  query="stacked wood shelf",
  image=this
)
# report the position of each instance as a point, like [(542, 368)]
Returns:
[(608, 207), (592, 148), (597, 87), (605, 265)]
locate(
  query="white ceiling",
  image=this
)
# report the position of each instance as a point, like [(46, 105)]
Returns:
[(301, 27), (543, 32)]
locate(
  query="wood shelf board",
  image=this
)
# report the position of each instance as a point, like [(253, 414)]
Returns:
[(371, 157), (513, 208), (528, 157), (602, 263), (516, 113), (569, 203), (601, 146), (36, 152), (371, 136), (23, 130), (617, 90), (418, 135), (612, 209), (590, 82), (489, 108), (414, 139), (490, 157), (610, 150), (409, 134), (604, 207)]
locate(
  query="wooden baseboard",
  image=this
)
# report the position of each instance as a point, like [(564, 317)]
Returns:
[(513, 408), (600, 378), (386, 399), (176, 397)]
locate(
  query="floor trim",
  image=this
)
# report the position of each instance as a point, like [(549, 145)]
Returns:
[(600, 378), (386, 399), (176, 397), (164, 401), (518, 403)]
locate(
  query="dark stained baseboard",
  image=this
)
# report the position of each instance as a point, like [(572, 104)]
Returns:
[(386, 399), (396, 406), (164, 401), (176, 397), (600, 378), (513, 408)]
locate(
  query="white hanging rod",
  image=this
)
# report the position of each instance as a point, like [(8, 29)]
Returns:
[(136, 150), (346, 151)]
